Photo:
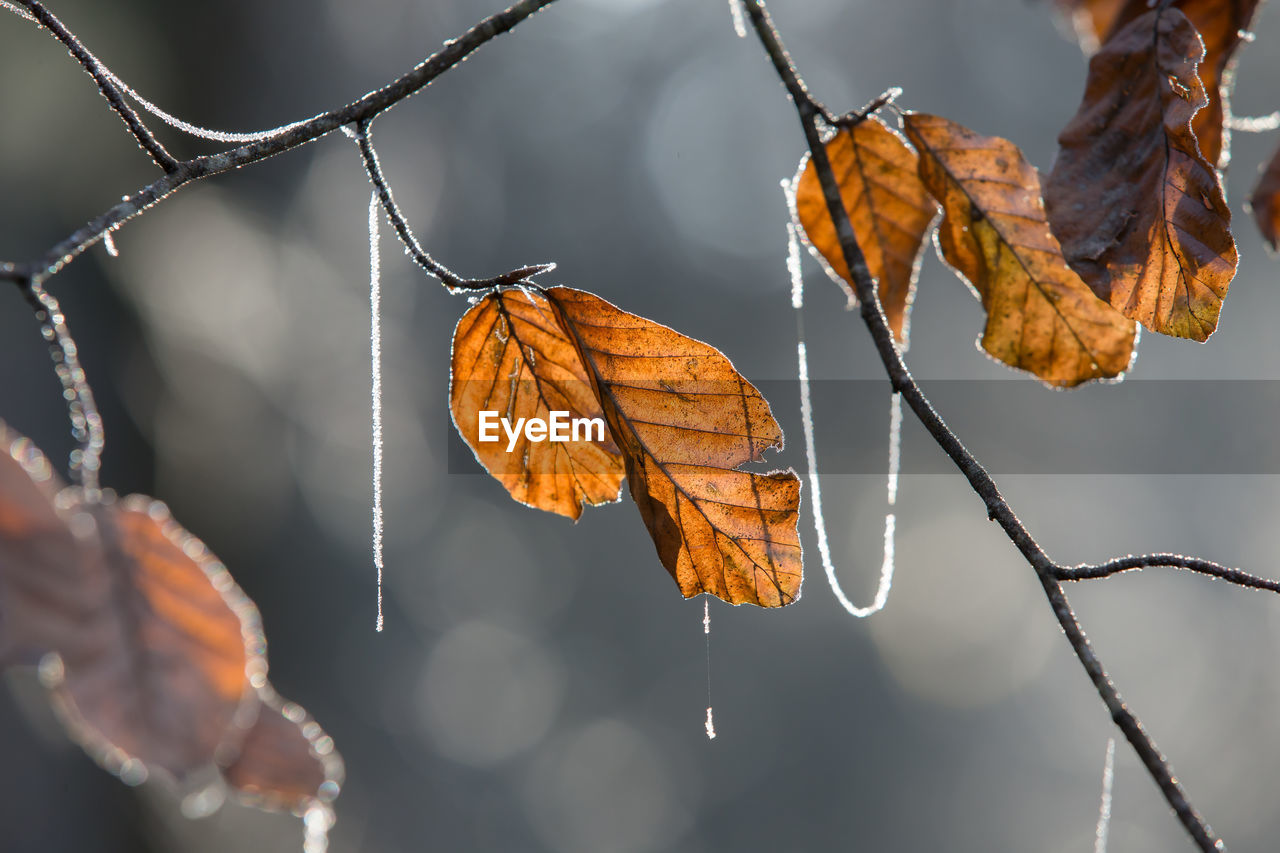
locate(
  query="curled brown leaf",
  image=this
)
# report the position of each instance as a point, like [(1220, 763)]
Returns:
[(1138, 209), (1222, 25), (154, 657), (1040, 316)]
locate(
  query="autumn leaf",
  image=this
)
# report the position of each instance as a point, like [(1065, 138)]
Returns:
[(154, 657), (286, 761), (1040, 316), (1221, 25), (889, 208), (685, 421), (1138, 209), (155, 645), (1265, 202), (511, 357)]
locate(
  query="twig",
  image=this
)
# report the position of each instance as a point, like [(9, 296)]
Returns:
[(1173, 561), (86, 423), (884, 99), (106, 86), (998, 509), (364, 109), (419, 255)]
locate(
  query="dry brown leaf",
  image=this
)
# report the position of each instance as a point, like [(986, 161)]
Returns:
[(1040, 316), (1220, 24), (1265, 202), (1138, 209), (685, 420), (511, 357), (153, 645), (286, 761), (889, 208)]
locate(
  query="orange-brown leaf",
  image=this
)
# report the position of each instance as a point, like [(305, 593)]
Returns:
[(1040, 316), (154, 647), (889, 208), (286, 760), (685, 420), (1138, 209), (1265, 202), (510, 356)]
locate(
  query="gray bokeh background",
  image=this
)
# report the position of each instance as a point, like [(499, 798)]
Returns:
[(541, 686)]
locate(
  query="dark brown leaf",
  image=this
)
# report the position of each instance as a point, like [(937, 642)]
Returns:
[(685, 420), (511, 357), (1040, 316), (1265, 202), (286, 761), (889, 208), (1138, 209), (148, 645), (1219, 23)]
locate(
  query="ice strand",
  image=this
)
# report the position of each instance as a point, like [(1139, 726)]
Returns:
[(706, 629), (739, 18), (316, 823), (1104, 808), (1254, 124), (194, 129), (168, 118), (375, 360), (815, 487)]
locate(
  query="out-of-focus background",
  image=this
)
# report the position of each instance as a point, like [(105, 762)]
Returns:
[(541, 686)]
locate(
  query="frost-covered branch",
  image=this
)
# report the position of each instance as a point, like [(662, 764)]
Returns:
[(186, 171), (998, 509), (106, 85), (1171, 561)]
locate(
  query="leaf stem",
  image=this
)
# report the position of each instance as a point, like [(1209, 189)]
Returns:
[(420, 256)]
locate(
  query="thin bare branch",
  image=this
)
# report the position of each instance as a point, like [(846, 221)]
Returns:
[(364, 109), (1173, 561), (998, 509), (106, 85), (86, 423), (419, 254)]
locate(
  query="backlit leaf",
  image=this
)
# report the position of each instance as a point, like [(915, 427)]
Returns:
[(685, 421), (1040, 316), (510, 356), (148, 645), (286, 761), (889, 208), (1265, 202), (1138, 209)]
